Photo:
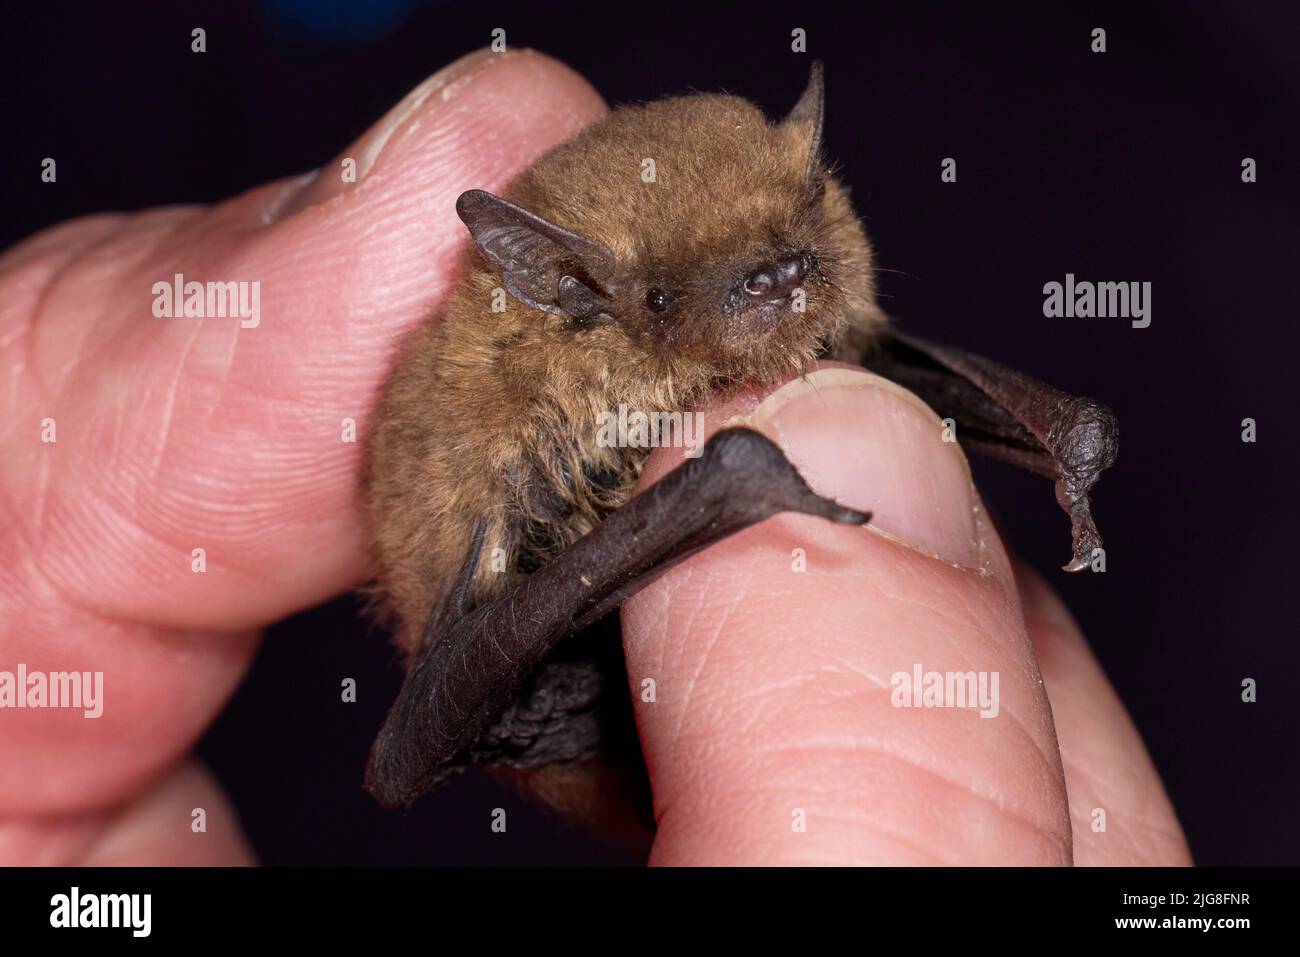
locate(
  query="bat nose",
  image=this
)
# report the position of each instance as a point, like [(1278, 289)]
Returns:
[(777, 279)]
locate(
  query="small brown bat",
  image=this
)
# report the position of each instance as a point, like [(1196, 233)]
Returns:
[(504, 528)]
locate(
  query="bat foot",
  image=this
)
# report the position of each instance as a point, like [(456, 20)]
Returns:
[(1014, 417), (1086, 444)]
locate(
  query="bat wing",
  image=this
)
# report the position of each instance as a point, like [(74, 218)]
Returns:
[(474, 661), (1011, 416), (485, 687)]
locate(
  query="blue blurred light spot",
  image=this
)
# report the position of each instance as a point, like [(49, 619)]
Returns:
[(339, 21)]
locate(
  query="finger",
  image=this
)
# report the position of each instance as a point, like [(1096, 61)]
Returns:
[(1119, 810), (194, 478), (182, 819), (239, 436), (776, 733), (142, 698)]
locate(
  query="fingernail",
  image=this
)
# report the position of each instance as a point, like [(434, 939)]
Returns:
[(872, 445), (373, 143), (447, 82)]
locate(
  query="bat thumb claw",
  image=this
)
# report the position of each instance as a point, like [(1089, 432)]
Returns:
[(843, 515), (382, 787), (401, 769)]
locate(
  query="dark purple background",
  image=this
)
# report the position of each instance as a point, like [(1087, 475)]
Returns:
[(1123, 166)]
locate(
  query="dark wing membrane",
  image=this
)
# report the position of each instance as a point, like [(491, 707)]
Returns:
[(1011, 416), (471, 666)]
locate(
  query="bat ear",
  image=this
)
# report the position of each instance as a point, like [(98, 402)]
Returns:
[(809, 112), (538, 259)]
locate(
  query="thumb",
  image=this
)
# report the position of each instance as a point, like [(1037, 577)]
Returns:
[(779, 733), (239, 434), (182, 435)]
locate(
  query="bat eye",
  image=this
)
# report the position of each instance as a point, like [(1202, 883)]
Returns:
[(657, 300)]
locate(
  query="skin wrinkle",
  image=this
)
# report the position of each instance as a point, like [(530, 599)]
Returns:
[(991, 607), (675, 601), (1091, 781), (773, 852), (1128, 823), (1053, 767), (924, 857), (117, 410), (753, 718), (1077, 810), (1046, 831), (37, 572), (1023, 641), (997, 801), (726, 614), (872, 745), (856, 820), (782, 684), (672, 597), (755, 692), (848, 694), (973, 621), (27, 331), (663, 600), (42, 489), (158, 240), (169, 402), (56, 242), (1019, 722), (80, 264), (126, 520), (127, 285), (216, 561), (960, 623), (848, 666)]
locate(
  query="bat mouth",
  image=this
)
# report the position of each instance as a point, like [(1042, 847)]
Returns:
[(761, 318)]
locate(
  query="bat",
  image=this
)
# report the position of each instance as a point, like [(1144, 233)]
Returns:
[(670, 252)]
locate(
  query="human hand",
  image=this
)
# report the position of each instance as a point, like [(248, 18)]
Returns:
[(174, 434), (774, 738)]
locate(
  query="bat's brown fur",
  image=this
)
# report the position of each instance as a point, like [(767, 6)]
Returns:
[(491, 416), (487, 440)]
